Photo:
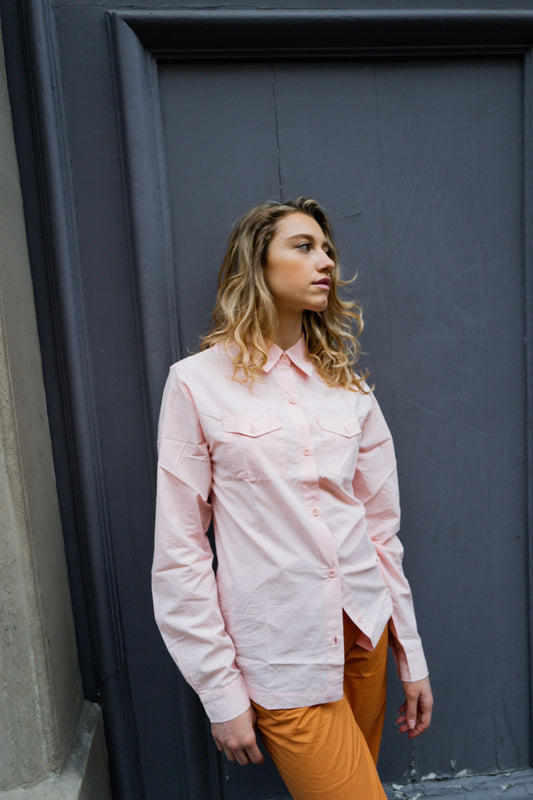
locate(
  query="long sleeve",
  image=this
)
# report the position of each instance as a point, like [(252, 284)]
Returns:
[(376, 486), (184, 587)]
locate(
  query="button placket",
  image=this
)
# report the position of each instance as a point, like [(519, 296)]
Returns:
[(287, 381), (302, 446)]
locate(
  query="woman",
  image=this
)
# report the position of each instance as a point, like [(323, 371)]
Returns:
[(273, 433)]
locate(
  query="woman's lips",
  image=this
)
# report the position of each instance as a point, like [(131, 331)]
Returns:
[(324, 282)]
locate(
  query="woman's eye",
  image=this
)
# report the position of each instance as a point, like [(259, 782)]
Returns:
[(305, 246)]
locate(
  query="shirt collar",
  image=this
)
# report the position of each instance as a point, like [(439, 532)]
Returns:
[(297, 354)]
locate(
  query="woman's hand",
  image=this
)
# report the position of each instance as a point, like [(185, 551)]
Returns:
[(415, 712), (236, 738)]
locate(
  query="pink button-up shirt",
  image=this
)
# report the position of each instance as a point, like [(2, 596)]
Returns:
[(300, 480)]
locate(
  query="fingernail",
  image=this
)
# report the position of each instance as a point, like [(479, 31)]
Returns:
[(411, 723)]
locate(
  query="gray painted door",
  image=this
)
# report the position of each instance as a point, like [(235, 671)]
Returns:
[(169, 126), (414, 160)]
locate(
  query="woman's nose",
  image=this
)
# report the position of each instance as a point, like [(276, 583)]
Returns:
[(326, 262)]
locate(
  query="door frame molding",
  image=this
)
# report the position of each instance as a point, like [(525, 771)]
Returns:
[(53, 243), (243, 33)]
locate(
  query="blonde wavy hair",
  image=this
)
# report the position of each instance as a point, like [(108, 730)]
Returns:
[(245, 317)]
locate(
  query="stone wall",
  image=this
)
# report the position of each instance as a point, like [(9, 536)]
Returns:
[(51, 740)]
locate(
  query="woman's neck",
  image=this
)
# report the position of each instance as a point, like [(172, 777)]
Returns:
[(289, 331)]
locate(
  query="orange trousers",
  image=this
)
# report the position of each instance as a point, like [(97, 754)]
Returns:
[(329, 751)]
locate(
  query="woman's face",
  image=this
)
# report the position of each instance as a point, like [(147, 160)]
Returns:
[(298, 265)]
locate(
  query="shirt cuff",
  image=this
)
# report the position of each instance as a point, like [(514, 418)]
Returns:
[(227, 703), (411, 665)]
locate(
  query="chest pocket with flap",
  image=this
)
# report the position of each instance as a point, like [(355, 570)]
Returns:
[(340, 439), (255, 446)]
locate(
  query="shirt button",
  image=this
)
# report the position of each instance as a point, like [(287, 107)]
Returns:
[(292, 400), (359, 618), (285, 359), (315, 512), (306, 451), (331, 573)]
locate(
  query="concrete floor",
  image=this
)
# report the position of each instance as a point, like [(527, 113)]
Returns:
[(512, 785)]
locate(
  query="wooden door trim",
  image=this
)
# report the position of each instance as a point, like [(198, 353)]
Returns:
[(331, 33)]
